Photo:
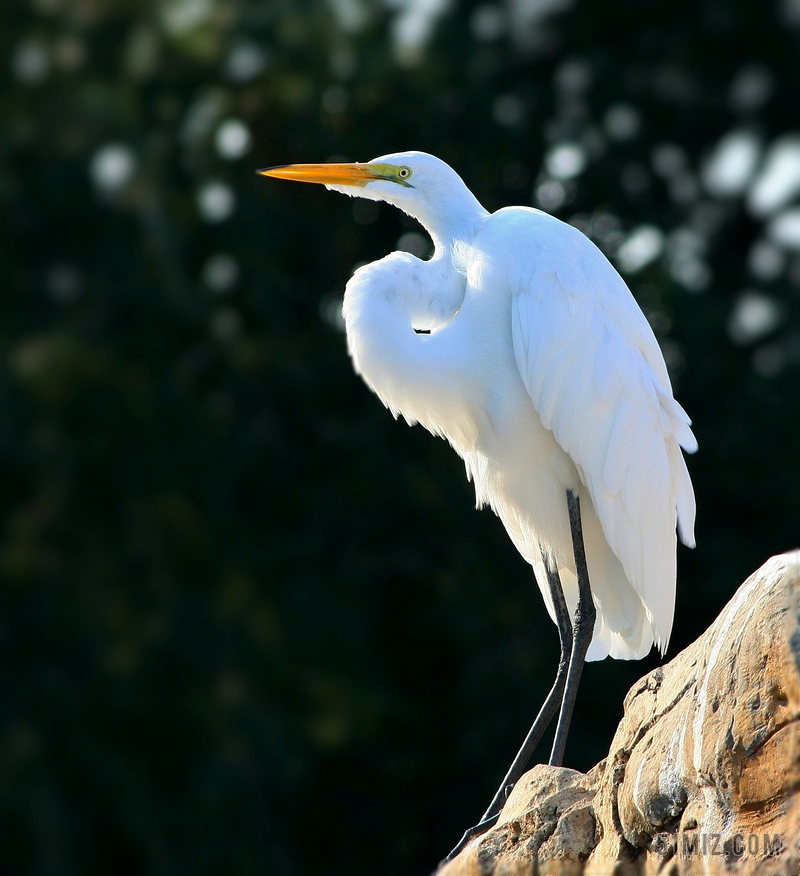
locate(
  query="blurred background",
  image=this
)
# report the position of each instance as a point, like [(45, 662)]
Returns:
[(249, 623)]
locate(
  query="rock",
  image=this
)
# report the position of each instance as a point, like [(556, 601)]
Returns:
[(703, 774)]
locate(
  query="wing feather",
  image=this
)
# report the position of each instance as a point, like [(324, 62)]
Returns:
[(596, 376)]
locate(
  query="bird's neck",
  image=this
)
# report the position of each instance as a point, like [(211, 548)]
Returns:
[(455, 224)]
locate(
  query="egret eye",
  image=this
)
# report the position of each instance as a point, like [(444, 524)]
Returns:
[(404, 172)]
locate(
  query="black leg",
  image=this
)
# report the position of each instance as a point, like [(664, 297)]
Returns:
[(543, 719), (583, 629), (551, 703)]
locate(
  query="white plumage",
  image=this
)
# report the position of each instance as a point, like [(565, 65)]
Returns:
[(545, 376), (521, 345)]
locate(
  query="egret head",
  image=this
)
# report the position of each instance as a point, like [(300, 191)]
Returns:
[(420, 184)]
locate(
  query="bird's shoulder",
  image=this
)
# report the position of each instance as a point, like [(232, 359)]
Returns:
[(541, 252), (566, 282), (534, 228)]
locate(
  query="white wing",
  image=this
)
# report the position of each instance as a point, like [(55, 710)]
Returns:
[(597, 379)]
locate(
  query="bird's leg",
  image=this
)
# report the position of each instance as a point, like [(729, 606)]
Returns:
[(543, 719), (583, 629), (550, 705)]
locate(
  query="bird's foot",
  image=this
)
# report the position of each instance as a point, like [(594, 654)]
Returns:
[(469, 835)]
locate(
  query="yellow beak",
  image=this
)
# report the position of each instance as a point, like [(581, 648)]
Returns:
[(326, 174)]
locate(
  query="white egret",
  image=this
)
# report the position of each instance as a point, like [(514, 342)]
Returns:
[(521, 344)]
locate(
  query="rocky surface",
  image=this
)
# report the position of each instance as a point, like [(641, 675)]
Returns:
[(703, 774)]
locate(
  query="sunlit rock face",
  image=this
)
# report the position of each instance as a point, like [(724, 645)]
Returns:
[(703, 774)]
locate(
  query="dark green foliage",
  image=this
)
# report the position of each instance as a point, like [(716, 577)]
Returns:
[(249, 624)]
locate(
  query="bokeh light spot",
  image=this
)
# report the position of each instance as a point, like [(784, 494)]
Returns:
[(668, 159), (642, 246), (754, 315), (179, 17), (751, 88), (573, 76), (565, 161), (784, 229), (233, 139), (330, 309), (30, 61), (112, 167), (216, 201), (621, 122), (351, 15), (729, 169), (550, 194), (488, 23), (779, 179), (765, 261), (244, 62), (415, 243), (220, 273)]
